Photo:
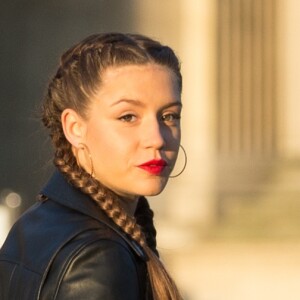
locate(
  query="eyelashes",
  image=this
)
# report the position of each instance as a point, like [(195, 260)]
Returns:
[(168, 118), (128, 118), (171, 117)]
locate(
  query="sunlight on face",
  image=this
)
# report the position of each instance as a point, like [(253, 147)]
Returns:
[(133, 129)]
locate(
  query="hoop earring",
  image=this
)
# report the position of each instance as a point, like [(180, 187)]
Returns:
[(185, 163), (85, 147)]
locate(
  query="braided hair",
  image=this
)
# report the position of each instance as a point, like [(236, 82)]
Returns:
[(77, 79)]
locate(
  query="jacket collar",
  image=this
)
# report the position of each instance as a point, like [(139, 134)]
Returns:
[(58, 189)]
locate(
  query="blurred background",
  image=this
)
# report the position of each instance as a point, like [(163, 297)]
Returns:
[(229, 226)]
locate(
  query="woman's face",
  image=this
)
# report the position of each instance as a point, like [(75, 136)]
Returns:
[(133, 129)]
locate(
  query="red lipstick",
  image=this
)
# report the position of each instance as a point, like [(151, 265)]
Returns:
[(155, 166)]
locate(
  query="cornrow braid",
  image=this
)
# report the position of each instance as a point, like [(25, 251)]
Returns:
[(77, 79)]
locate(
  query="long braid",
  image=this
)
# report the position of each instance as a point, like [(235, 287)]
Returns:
[(144, 217), (104, 198), (75, 81)]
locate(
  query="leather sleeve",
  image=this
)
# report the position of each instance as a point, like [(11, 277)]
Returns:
[(103, 269)]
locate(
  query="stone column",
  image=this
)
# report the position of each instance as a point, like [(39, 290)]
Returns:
[(192, 197)]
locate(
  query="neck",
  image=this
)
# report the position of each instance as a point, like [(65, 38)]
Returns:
[(129, 205)]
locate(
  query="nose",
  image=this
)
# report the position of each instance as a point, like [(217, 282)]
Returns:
[(153, 134)]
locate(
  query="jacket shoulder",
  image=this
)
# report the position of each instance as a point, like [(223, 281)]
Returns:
[(95, 265), (39, 238), (32, 244)]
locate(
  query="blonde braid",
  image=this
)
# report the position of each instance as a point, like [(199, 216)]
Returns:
[(105, 199)]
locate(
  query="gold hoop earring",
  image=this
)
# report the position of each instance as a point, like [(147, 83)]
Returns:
[(185, 163), (83, 147)]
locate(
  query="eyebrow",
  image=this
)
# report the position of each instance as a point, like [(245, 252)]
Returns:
[(141, 104), (130, 101), (175, 103)]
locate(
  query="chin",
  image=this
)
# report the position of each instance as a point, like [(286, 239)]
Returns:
[(152, 193), (153, 189)]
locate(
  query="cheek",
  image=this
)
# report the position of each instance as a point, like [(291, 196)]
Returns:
[(109, 145), (173, 136), (97, 139)]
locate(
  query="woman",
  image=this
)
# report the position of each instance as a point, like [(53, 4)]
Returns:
[(113, 112)]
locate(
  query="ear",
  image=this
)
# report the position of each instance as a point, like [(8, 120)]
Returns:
[(74, 126)]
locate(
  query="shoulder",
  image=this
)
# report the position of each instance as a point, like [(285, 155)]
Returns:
[(94, 266), (72, 253)]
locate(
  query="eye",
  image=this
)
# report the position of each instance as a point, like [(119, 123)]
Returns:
[(171, 117), (128, 118)]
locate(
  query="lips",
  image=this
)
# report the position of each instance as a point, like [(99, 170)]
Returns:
[(155, 166)]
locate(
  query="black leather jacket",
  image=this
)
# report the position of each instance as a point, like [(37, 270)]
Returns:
[(65, 248)]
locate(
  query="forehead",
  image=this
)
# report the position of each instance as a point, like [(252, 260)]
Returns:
[(140, 82), (137, 73)]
